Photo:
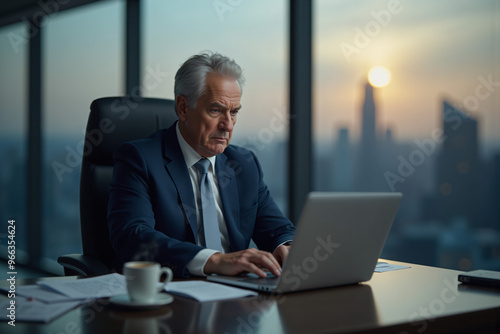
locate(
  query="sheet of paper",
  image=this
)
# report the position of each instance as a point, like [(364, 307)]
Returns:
[(204, 291), (383, 267), (36, 292), (95, 287), (35, 311)]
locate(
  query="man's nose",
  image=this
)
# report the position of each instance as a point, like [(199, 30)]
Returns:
[(226, 122)]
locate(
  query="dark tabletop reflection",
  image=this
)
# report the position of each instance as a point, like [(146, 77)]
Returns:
[(251, 315), (102, 317), (183, 315), (324, 310), (243, 315), (333, 309), (146, 322)]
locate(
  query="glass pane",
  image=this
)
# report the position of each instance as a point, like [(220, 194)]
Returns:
[(13, 134), (426, 125), (173, 32), (82, 61)]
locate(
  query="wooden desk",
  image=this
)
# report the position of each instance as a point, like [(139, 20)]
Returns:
[(417, 300)]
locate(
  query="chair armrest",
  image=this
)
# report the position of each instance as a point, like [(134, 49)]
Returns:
[(79, 264)]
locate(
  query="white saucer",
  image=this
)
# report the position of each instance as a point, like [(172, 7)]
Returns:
[(124, 300)]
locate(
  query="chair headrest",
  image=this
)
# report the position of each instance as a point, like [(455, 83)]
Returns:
[(115, 120)]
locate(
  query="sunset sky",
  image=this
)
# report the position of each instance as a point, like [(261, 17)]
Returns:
[(433, 49)]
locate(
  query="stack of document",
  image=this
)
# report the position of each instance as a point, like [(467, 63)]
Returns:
[(383, 267), (50, 299), (204, 291)]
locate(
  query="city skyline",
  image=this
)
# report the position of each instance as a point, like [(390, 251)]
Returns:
[(450, 48), (417, 168), (436, 51)]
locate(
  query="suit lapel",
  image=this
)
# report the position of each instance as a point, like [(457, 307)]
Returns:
[(176, 168), (230, 203)]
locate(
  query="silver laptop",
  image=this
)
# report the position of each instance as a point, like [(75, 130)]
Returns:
[(338, 241)]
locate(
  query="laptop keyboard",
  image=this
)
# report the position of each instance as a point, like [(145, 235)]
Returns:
[(271, 279)]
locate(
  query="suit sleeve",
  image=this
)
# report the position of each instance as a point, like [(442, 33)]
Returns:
[(272, 228), (131, 218)]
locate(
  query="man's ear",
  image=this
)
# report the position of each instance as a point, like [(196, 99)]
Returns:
[(182, 106)]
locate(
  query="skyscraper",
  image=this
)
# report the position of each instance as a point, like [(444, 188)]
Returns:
[(342, 162), (458, 167), (368, 133), (368, 176)]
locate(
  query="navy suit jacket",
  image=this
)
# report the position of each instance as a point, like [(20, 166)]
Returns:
[(152, 212)]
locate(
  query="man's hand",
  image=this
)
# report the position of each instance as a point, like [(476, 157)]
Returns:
[(281, 253), (250, 260)]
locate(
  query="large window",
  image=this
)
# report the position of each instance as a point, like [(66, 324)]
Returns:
[(82, 60), (429, 131), (255, 34), (425, 124), (13, 126)]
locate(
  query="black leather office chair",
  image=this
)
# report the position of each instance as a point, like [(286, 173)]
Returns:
[(112, 121)]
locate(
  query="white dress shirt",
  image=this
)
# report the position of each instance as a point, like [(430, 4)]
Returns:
[(191, 157)]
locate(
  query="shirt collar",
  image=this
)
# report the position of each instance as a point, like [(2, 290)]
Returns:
[(190, 155)]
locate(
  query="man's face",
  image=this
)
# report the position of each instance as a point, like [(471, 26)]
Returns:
[(209, 126)]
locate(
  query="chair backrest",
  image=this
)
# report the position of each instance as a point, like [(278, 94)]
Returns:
[(112, 121)]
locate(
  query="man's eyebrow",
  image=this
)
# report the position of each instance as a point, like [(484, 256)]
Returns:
[(216, 104), (223, 106)]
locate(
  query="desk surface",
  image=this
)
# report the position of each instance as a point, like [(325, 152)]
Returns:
[(417, 300)]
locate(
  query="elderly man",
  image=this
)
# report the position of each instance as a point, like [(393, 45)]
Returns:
[(186, 198)]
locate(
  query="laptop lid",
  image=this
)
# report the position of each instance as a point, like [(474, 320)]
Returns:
[(338, 241)]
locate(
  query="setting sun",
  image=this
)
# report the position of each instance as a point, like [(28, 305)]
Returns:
[(379, 76)]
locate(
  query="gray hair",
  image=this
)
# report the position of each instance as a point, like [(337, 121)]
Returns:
[(190, 79)]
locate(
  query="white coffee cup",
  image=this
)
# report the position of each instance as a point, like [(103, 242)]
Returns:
[(142, 280)]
